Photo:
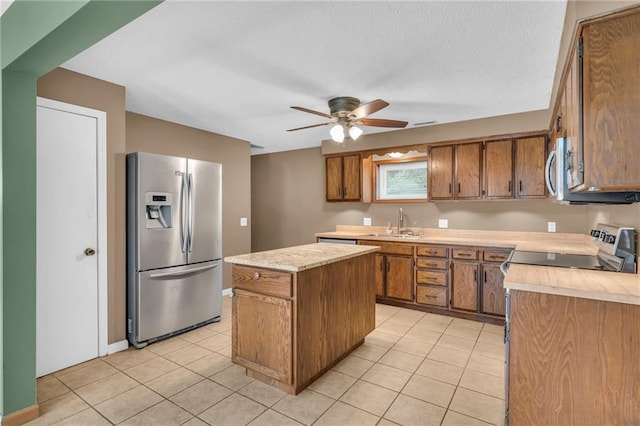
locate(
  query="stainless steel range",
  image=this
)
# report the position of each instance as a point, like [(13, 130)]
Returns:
[(616, 252)]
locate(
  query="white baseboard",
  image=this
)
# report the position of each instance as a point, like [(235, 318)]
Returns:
[(227, 292), (117, 347)]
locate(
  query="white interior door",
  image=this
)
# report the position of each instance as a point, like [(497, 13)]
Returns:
[(70, 285)]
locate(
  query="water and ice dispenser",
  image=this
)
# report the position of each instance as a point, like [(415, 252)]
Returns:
[(158, 207)]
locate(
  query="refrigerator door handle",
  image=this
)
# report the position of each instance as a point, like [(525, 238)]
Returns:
[(183, 214), (191, 211), (183, 272)]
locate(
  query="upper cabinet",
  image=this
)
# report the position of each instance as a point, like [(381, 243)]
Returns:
[(344, 180), (598, 106), (455, 172), (498, 169), (440, 172), (529, 167)]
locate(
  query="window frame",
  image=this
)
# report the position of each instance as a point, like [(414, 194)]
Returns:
[(376, 179)]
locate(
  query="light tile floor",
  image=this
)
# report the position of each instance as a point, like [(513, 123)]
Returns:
[(413, 369)]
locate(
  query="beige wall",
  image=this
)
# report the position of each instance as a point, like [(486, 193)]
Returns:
[(288, 187), (288, 206), (162, 137), (78, 89), (484, 127), (129, 132)]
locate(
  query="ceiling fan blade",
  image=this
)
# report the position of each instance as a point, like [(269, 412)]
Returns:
[(369, 108), (381, 122), (310, 111), (308, 127)]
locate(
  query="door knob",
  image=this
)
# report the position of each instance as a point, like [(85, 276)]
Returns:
[(89, 251)]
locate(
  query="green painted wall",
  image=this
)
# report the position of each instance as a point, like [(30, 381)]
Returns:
[(35, 37)]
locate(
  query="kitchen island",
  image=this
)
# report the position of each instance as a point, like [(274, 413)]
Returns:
[(298, 311)]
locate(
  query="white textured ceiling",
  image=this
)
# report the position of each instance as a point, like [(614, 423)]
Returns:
[(234, 68)]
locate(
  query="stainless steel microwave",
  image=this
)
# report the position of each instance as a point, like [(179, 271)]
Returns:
[(556, 180)]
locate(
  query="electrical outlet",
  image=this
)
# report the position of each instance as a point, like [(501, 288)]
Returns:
[(243, 221), (443, 223), (366, 221), (551, 227)]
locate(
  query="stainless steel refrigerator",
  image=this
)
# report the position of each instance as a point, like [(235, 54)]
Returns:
[(174, 245)]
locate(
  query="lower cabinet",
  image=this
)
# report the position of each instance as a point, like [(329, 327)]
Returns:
[(464, 285), (431, 275), (394, 270), (493, 293), (461, 279), (252, 311)]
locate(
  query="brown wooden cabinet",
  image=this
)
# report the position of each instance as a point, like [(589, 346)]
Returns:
[(267, 350), (531, 155), (498, 169), (440, 172), (598, 105), (344, 178), (432, 275), (279, 321), (572, 361), (263, 297), (492, 293), (455, 171), (468, 173), (394, 270), (465, 272)]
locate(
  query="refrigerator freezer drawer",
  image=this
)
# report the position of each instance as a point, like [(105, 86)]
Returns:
[(172, 299)]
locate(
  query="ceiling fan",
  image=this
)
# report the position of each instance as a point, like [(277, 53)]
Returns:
[(346, 113)]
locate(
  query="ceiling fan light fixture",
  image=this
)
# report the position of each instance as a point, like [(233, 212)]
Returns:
[(355, 132), (337, 133)]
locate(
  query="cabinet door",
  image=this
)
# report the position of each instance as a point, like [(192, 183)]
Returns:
[(498, 169), (493, 294), (440, 172), (574, 172), (265, 349), (334, 178), (530, 163), (611, 103), (381, 266), (351, 178), (468, 163), (464, 285), (399, 277)]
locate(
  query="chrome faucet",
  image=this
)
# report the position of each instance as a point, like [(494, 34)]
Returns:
[(400, 222)]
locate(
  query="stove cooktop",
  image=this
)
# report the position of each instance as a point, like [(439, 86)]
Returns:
[(563, 260)]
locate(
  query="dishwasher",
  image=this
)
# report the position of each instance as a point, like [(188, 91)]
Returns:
[(337, 240)]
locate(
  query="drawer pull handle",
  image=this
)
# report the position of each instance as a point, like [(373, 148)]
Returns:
[(431, 297), (431, 279), (256, 275)]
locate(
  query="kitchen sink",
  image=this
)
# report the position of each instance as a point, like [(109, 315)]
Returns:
[(401, 236)]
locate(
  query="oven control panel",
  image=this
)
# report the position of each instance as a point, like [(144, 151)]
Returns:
[(615, 240)]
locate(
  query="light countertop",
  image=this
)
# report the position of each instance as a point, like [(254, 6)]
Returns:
[(300, 258), (597, 285)]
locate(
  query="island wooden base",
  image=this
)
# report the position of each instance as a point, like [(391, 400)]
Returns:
[(294, 390), (291, 327)]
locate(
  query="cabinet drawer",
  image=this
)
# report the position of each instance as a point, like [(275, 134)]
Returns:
[(432, 263), (431, 277), (432, 251), (390, 248), (460, 253), (262, 281), (495, 255), (431, 296)]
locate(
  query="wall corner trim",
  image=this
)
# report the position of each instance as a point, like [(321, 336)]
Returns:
[(21, 417), (117, 347)]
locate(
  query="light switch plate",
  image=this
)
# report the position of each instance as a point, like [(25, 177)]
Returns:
[(443, 223), (551, 227), (243, 221), (366, 221)]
